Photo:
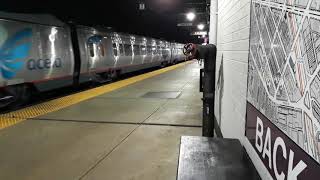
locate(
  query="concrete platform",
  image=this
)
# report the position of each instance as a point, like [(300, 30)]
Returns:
[(108, 110), (118, 135), (150, 152)]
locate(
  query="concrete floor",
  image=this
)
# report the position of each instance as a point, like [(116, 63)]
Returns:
[(118, 135)]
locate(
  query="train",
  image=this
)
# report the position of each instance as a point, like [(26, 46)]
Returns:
[(39, 53)]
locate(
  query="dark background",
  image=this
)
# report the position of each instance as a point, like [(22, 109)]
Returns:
[(159, 20)]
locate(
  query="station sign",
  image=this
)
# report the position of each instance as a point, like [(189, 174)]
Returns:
[(283, 121), (282, 157), (199, 33), (185, 24)]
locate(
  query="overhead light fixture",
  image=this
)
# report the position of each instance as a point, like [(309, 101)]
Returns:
[(199, 33), (142, 6), (190, 16), (200, 26)]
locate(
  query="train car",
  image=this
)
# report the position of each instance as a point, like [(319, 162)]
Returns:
[(177, 52), (41, 53), (35, 52), (106, 54)]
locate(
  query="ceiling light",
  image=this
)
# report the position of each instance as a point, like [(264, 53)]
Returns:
[(190, 16), (200, 26)]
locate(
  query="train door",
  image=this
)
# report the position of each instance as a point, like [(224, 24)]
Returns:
[(96, 53), (118, 51)]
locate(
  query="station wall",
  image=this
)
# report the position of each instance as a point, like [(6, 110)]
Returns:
[(267, 83), (232, 63), (233, 33)]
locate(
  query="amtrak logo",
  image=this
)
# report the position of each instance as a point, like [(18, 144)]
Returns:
[(12, 50)]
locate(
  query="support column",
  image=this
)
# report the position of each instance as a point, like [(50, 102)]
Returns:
[(213, 22)]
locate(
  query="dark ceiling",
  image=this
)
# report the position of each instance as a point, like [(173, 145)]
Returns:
[(158, 20)]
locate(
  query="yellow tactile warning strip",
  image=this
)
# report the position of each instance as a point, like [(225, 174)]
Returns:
[(14, 117)]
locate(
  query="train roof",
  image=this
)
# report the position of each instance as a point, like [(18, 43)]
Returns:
[(43, 19), (110, 31)]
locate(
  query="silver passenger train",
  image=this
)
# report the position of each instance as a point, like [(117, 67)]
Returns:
[(40, 53)]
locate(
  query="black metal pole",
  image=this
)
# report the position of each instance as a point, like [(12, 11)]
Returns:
[(208, 53)]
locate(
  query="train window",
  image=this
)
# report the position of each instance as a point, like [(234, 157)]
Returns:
[(121, 49), (91, 49), (154, 50), (136, 49), (143, 50), (128, 49), (115, 50), (101, 49), (165, 51)]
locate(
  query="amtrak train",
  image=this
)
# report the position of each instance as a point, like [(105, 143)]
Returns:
[(40, 53)]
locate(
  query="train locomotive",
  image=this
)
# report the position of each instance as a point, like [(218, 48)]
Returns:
[(40, 53)]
